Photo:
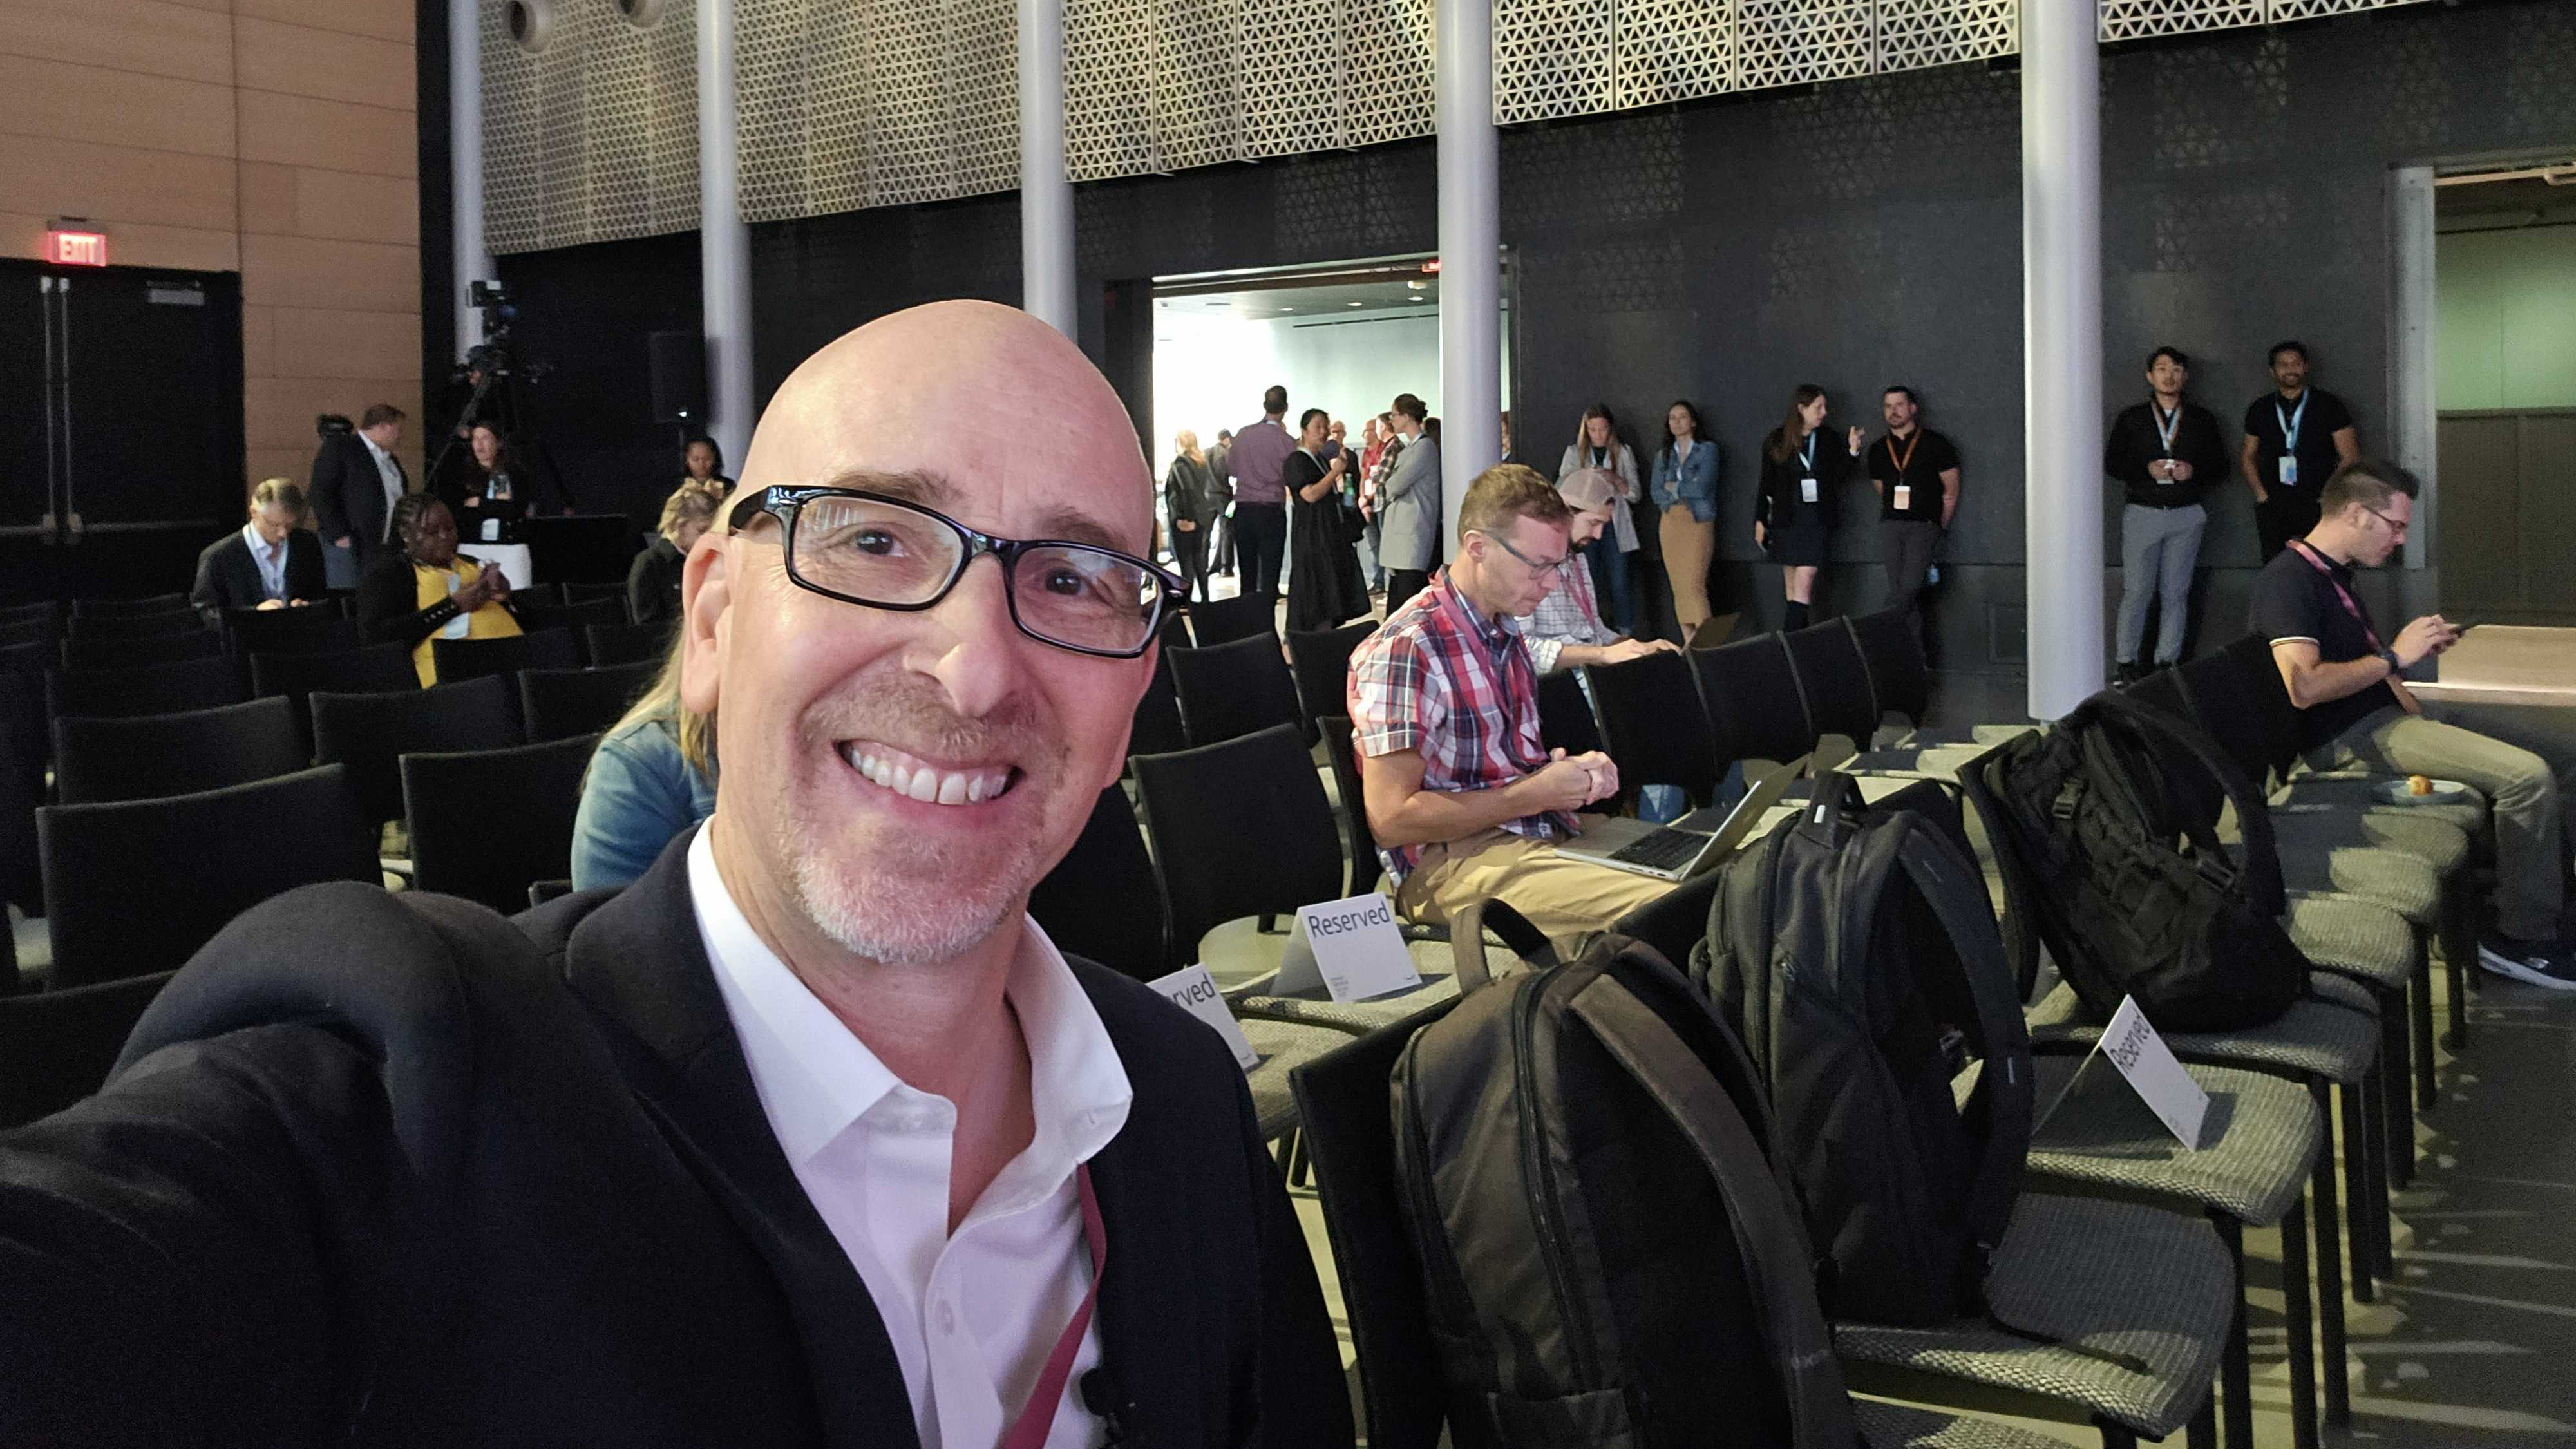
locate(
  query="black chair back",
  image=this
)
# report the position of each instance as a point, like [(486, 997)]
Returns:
[(560, 703), (1565, 720), (457, 660), (584, 614), (368, 669), (152, 604), (1174, 631), (370, 733), (1652, 725), (1102, 902), (1358, 840), (2238, 694), (134, 653), (1230, 690), (627, 643), (1900, 679), (1156, 729), (137, 886), (1222, 621), (1675, 921), (56, 1046), (181, 620), (1832, 681), (1321, 661), (314, 629), (145, 689), (1239, 829), (1350, 1138), (29, 631), (454, 802), (141, 756), (1751, 696), (43, 611)]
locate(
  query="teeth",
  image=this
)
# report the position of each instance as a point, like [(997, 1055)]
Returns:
[(925, 785), (899, 780), (975, 791), (952, 790)]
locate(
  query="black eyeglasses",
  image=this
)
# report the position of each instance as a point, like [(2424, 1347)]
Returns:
[(2393, 525), (1505, 545), (884, 553)]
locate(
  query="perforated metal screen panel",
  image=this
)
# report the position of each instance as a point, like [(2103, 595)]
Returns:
[(848, 104)]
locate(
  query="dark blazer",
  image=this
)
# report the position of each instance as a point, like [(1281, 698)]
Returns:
[(388, 603), (653, 582), (381, 1170), (349, 496), (228, 577)]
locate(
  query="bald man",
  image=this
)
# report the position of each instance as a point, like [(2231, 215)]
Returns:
[(808, 1137)]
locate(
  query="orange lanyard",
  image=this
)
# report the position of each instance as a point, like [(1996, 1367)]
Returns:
[(1908, 460)]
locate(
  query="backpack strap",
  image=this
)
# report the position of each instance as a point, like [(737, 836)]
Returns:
[(2261, 874), (1467, 940), (1777, 1258)]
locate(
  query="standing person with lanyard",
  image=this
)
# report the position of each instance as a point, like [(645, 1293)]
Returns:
[(1801, 479), (2295, 438), (1596, 445), (2352, 706), (2165, 452), (1916, 472)]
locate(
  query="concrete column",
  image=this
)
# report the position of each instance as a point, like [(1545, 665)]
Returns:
[(724, 242), (465, 165), (1471, 264), (2414, 402), (1046, 193), (2061, 236)]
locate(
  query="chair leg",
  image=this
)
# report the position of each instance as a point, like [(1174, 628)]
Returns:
[(2459, 942), (2235, 1366), (2301, 1324), (2383, 1210), (2419, 995), (2330, 1324), (2115, 1436), (2202, 1431), (2397, 1120)]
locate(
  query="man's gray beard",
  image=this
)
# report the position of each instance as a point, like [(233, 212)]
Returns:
[(889, 927)]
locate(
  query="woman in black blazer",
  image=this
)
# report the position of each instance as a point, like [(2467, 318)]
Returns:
[(1802, 476)]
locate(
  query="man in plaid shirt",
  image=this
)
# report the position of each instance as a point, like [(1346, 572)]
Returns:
[(1465, 801), (1566, 631)]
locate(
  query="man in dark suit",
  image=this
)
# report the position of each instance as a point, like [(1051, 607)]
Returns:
[(270, 564), (356, 479), (809, 1137)]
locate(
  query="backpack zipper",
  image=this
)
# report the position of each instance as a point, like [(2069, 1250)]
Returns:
[(1551, 1232)]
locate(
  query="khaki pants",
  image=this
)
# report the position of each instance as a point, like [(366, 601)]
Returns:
[(1688, 546), (1560, 895), (2524, 802)]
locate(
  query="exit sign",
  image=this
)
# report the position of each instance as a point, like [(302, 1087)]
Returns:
[(74, 247)]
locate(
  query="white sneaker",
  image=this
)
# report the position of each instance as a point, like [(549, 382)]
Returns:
[(2534, 962)]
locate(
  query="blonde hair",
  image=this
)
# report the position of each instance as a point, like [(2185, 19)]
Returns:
[(278, 493), (1509, 491), (691, 502), (1188, 443), (660, 704)]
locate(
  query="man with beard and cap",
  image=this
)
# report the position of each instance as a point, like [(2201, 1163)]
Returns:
[(808, 1137), (1565, 630)]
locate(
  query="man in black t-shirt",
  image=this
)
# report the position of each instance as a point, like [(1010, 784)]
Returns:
[(2295, 438), (2167, 454), (1916, 472), (2343, 677)]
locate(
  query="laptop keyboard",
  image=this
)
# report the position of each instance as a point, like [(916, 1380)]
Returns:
[(1661, 850)]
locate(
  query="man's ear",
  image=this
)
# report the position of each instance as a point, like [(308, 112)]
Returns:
[(706, 589)]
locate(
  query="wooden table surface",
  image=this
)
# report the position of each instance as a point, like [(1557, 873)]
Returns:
[(2507, 664)]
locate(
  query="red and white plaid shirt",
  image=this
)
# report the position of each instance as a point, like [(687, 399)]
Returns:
[(1442, 679)]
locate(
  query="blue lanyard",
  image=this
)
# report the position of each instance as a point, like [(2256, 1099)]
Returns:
[(2290, 424), (1807, 454), (2166, 424)]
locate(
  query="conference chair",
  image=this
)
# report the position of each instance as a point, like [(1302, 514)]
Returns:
[(1235, 689), (366, 669), (1652, 725), (151, 604), (540, 614), (136, 886), (144, 689), (1174, 631), (1749, 691), (181, 620), (486, 824), (1833, 682), (1321, 661), (1900, 678), (141, 756), (1359, 842), (1103, 901), (628, 643), (1222, 621), (1565, 719), (56, 1046), (369, 733), (313, 629), (1156, 727), (30, 631), (456, 660), (561, 703), (41, 611), (81, 652)]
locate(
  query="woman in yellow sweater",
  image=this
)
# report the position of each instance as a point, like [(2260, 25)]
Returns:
[(426, 592)]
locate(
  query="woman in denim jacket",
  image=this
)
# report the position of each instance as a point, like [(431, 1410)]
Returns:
[(1685, 494), (652, 779)]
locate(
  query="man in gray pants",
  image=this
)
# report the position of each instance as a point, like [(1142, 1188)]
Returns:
[(1916, 472), (2166, 453)]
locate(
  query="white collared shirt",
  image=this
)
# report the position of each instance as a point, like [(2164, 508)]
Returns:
[(390, 474), (972, 1316), (271, 561)]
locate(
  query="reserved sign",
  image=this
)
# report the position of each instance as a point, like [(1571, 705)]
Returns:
[(1193, 990), (1350, 948), (2149, 1072)]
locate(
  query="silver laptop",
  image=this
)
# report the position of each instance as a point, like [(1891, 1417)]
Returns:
[(1678, 851)]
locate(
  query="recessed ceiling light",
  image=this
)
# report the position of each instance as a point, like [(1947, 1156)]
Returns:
[(1417, 286), (1355, 304), (1285, 310), (1417, 299)]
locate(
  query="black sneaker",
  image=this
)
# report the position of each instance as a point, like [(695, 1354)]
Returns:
[(2539, 963)]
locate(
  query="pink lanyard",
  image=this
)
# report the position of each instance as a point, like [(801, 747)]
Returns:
[(2349, 606), (1038, 1418)]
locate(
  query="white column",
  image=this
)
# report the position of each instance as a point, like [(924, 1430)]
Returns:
[(2414, 402), (465, 164), (1471, 264), (724, 242), (1046, 193), (2061, 237)]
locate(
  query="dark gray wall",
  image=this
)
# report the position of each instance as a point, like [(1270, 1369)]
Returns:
[(1856, 234)]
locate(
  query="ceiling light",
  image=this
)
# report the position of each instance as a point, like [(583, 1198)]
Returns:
[(1417, 286), (1417, 299), (1355, 304)]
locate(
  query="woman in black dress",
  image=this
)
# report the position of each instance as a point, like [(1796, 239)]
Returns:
[(1802, 474), (1324, 584)]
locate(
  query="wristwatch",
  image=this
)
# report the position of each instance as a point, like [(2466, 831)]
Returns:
[(2390, 657)]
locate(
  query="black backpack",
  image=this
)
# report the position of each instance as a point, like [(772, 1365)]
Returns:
[(1608, 1257), (2113, 810), (1854, 952)]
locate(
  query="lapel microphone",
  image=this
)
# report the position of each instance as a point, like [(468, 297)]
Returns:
[(1101, 1397)]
